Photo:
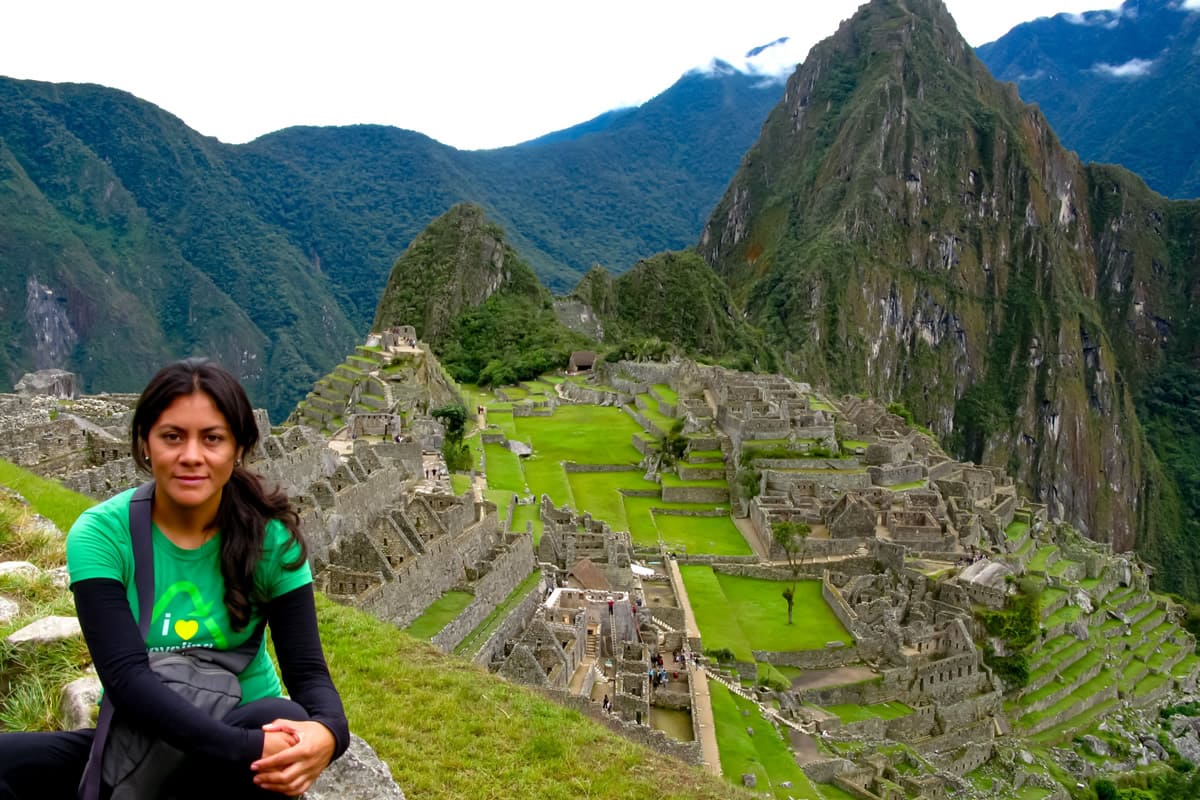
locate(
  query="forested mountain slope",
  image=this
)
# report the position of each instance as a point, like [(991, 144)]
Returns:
[(126, 238)]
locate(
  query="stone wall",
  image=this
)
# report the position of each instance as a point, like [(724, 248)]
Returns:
[(507, 571), (895, 474), (841, 609), (842, 481), (105, 480), (517, 620), (695, 494), (826, 658)]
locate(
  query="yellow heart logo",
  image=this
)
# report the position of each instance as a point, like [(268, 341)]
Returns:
[(186, 628)]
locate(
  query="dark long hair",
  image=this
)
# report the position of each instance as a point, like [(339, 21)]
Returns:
[(246, 503)]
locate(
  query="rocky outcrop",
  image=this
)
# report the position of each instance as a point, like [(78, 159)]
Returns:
[(906, 227), (358, 775)]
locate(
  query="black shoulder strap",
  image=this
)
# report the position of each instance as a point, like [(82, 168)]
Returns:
[(143, 577), (143, 552)]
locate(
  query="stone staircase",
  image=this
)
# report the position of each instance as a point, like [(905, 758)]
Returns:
[(769, 713)]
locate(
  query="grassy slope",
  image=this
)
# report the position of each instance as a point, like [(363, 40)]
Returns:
[(450, 731)]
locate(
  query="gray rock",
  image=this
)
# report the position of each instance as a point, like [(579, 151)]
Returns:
[(785, 784), (8, 610), (22, 568), (52, 382), (79, 703), (358, 775), (60, 577), (1154, 747), (1083, 600), (749, 780), (519, 448), (1124, 572), (1078, 630), (749, 731), (1097, 746), (46, 630), (1188, 746), (1026, 757)]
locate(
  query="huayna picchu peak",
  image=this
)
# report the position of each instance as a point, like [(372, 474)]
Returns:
[(908, 227)]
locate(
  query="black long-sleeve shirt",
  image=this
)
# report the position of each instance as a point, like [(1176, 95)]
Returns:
[(121, 660)]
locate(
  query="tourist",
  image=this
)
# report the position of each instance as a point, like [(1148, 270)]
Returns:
[(606, 705), (229, 559)]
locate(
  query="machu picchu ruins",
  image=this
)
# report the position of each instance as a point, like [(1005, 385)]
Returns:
[(966, 626)]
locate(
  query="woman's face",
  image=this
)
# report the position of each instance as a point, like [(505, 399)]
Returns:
[(192, 453)]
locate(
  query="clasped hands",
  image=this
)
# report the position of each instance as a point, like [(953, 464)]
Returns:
[(294, 755)]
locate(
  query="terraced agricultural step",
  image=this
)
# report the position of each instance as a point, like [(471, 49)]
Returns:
[(1069, 728), (1050, 649), (1140, 611), (1100, 688), (1051, 668)]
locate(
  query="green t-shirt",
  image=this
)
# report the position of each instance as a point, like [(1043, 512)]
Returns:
[(189, 607)]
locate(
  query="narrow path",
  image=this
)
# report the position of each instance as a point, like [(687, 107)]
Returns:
[(701, 698), (750, 534)]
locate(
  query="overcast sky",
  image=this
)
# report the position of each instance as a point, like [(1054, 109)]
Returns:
[(469, 73)]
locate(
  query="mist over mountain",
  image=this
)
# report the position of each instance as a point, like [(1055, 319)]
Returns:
[(1118, 86)]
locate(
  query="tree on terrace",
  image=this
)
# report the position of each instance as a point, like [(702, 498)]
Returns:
[(792, 538)]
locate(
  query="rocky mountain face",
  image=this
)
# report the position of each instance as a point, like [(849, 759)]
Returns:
[(907, 227), (1119, 86), (127, 239)]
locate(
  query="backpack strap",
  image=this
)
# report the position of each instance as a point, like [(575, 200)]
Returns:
[(143, 553), (143, 577)]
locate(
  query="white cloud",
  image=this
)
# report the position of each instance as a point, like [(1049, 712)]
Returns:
[(1191, 5), (1133, 68), (1107, 19)]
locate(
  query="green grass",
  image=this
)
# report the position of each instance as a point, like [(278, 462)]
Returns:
[(547, 477), (1041, 557), (503, 469), (48, 498), (656, 418), (528, 513), (582, 433), (765, 754), (638, 515), (31, 678), (1016, 529), (600, 493), (439, 614), (504, 421), (665, 393), (475, 445), (904, 487), (719, 628), (502, 500), (460, 482), (708, 535), (884, 711), (450, 731), (745, 614)]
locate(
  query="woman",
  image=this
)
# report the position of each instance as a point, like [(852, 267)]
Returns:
[(228, 557)]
